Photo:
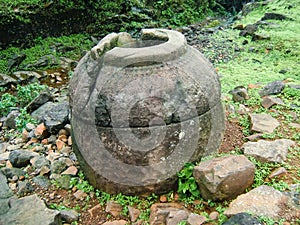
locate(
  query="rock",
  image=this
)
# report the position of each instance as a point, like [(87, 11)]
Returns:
[(15, 61), (58, 166), (42, 181), (54, 115), (262, 201), (67, 63), (263, 123), (25, 187), (270, 101), (80, 195), (274, 16), (4, 156), (72, 170), (163, 213), (39, 162), (11, 172), (26, 75), (177, 216), (278, 172), (214, 215), (10, 121), (273, 88), (114, 208), (249, 30), (30, 210), (44, 170), (254, 137), (3, 147), (5, 194), (116, 222), (268, 151), (69, 216), (44, 61), (195, 219), (242, 219), (295, 125), (42, 98), (60, 144), (5, 80), (224, 177), (258, 37), (64, 182), (295, 86), (133, 213), (21, 158), (239, 94), (95, 211)]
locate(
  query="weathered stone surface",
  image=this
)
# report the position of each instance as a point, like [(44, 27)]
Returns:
[(5, 194), (39, 161), (10, 119), (41, 181), (116, 222), (54, 115), (69, 216), (26, 75), (30, 210), (5, 79), (278, 172), (41, 99), (262, 201), (270, 101), (272, 88), (133, 213), (20, 158), (224, 177), (11, 172), (242, 219), (167, 214), (3, 147), (263, 123), (114, 208), (148, 119), (195, 219), (268, 151), (24, 187)]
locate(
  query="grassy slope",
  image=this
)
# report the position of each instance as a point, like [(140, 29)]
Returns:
[(264, 65)]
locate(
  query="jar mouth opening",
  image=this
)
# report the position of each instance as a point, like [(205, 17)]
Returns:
[(139, 43)]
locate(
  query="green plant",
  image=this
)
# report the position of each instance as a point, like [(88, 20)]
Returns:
[(187, 185), (23, 119), (7, 102)]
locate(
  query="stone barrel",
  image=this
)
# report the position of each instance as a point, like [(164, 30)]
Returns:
[(141, 109)]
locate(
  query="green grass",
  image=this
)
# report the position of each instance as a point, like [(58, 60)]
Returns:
[(281, 52)]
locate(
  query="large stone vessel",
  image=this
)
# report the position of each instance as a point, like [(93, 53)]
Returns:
[(141, 109)]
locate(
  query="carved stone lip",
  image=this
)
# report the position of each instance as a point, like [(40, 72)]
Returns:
[(171, 46)]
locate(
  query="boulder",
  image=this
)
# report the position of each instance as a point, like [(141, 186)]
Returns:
[(224, 177), (268, 151)]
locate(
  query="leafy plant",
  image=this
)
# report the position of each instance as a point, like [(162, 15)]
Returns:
[(7, 102), (187, 185), (23, 119), (26, 94)]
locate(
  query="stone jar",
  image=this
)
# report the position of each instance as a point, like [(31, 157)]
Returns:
[(141, 109)]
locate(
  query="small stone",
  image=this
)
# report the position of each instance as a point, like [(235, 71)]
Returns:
[(263, 123), (25, 135), (116, 222), (239, 94), (44, 170), (66, 151), (114, 208), (24, 187), (42, 181), (80, 195), (69, 140), (133, 213), (72, 170), (254, 137), (3, 147), (242, 219), (195, 219), (20, 158), (163, 198), (268, 151), (58, 166), (69, 216), (63, 132), (95, 211), (63, 138), (29, 127), (270, 101), (295, 125), (41, 131), (278, 172), (273, 88), (60, 144), (214, 215)]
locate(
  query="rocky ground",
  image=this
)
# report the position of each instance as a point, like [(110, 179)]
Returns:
[(260, 152)]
